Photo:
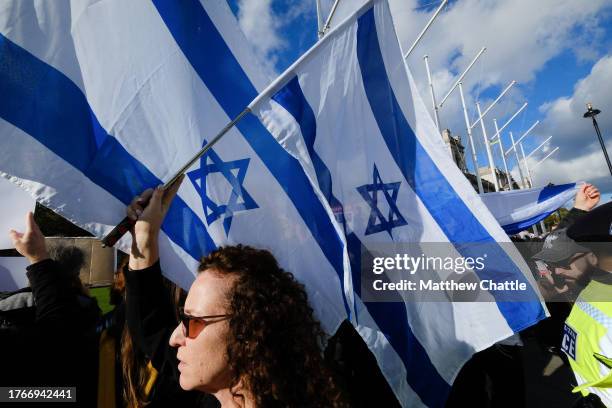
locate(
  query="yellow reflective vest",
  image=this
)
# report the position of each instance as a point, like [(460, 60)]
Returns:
[(587, 340)]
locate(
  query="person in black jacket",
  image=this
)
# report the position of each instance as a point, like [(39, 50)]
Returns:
[(54, 350), (504, 375), (246, 335)]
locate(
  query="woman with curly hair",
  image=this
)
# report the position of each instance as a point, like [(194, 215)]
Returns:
[(246, 335)]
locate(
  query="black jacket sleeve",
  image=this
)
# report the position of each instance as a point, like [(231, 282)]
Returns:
[(149, 313), (151, 320), (52, 350), (56, 302), (571, 217)]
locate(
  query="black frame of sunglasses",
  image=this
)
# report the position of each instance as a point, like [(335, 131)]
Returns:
[(567, 264)]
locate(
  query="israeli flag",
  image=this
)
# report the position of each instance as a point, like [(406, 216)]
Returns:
[(104, 99), (518, 210), (101, 100), (350, 112)]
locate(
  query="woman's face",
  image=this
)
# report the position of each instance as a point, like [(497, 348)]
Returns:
[(203, 360)]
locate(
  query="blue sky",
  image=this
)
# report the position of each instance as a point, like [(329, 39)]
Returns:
[(559, 52)]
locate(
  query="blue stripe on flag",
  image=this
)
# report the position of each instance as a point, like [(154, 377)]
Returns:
[(517, 227), (44, 103), (205, 48), (293, 100), (551, 191), (444, 204), (390, 317)]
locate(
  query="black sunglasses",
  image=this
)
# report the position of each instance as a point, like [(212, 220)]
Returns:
[(193, 325), (565, 264)]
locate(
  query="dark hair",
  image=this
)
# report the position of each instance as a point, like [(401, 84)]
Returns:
[(275, 342), (133, 363), (70, 259), (135, 371)]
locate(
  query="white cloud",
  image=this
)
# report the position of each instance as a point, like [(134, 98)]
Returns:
[(260, 25), (263, 27), (587, 167), (579, 156), (521, 37), (563, 116)]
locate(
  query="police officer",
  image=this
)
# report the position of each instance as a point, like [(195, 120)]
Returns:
[(564, 267), (587, 337)]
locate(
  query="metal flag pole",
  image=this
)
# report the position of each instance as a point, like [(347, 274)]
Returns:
[(493, 103), (124, 226), (500, 142), (483, 49), (518, 161), (434, 104), (523, 136), (526, 166), (433, 95), (429, 23), (542, 225), (530, 180), (539, 147), (591, 113), (498, 131), (329, 18), (534, 227), (471, 139), (546, 157), (488, 148), (501, 151), (319, 20)]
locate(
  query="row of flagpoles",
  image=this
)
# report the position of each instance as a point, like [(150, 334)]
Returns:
[(516, 147), (526, 179)]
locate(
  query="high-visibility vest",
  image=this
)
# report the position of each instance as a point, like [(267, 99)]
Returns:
[(587, 340)]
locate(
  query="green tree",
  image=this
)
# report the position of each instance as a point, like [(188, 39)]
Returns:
[(554, 218)]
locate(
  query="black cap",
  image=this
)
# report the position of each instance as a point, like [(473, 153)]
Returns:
[(558, 246), (594, 226)]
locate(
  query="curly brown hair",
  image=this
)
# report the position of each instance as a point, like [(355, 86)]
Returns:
[(274, 349)]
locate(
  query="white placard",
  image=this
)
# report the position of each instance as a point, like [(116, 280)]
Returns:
[(13, 273), (15, 203)]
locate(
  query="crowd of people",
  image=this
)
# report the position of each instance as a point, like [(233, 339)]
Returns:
[(244, 335)]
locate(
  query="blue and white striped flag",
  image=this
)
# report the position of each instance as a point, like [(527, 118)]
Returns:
[(350, 112), (518, 210), (101, 100)]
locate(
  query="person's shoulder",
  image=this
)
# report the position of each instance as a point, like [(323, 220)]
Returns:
[(16, 300)]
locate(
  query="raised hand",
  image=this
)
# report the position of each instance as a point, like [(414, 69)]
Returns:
[(149, 210), (30, 243), (587, 197)]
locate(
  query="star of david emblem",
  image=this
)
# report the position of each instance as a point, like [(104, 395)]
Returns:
[(377, 221), (232, 171)]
